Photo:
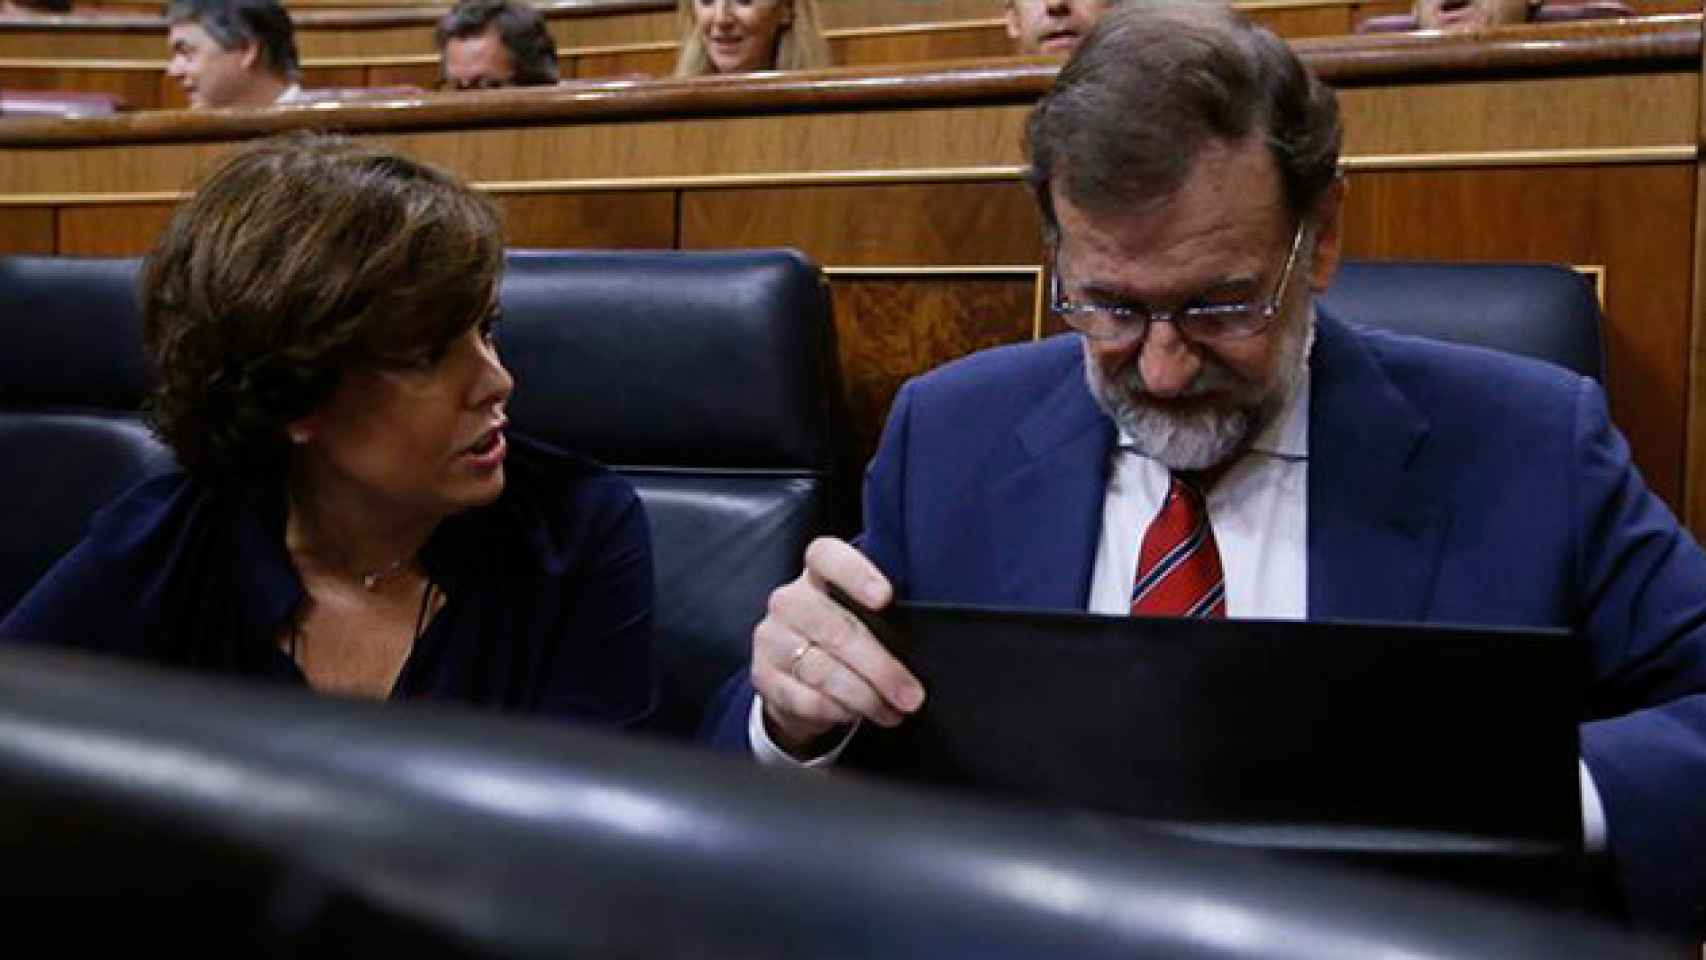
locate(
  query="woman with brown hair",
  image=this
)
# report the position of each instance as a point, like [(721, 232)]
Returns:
[(353, 514), (739, 36)]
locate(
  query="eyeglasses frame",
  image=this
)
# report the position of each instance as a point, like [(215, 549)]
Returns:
[(1128, 315)]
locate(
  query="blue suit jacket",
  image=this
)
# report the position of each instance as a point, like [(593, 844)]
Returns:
[(1446, 484)]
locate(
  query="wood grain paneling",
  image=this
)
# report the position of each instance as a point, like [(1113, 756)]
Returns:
[(1521, 114), (172, 96), (640, 27), (136, 89), (1694, 478), (111, 230), (26, 230), (50, 42), (423, 75), (959, 223), (1321, 21), (353, 76), (890, 328), (921, 46), (1636, 221), (843, 14), (614, 220), (618, 63)]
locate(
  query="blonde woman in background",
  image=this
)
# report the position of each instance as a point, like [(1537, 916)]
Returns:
[(738, 36)]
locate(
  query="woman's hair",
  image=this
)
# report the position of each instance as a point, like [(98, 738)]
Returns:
[(799, 45), (298, 259)]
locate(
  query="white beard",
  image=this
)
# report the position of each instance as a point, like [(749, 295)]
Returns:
[(1205, 436)]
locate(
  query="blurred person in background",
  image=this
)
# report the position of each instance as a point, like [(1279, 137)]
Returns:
[(1459, 16), (232, 53), (741, 36), (1051, 26), (487, 44)]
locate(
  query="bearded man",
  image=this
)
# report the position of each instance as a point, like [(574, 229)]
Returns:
[(1185, 165)]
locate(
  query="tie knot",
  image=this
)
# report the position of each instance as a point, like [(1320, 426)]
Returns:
[(1201, 482), (1190, 486)]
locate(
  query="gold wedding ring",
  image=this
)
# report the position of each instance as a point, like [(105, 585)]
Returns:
[(794, 661)]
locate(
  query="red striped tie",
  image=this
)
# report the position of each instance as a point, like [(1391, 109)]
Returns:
[(1178, 567)]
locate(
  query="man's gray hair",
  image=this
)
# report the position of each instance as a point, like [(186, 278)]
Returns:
[(232, 23), (1153, 84)]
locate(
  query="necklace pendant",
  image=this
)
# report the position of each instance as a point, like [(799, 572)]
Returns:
[(370, 581)]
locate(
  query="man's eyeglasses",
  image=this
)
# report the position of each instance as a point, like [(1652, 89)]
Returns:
[(1219, 321)]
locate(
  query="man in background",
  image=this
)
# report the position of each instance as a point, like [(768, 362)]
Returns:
[(1460, 16), (233, 53), (1051, 26), (486, 44)]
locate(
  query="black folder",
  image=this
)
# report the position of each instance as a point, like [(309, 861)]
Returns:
[(1446, 752)]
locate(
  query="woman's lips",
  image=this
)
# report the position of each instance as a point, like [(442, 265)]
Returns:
[(488, 452)]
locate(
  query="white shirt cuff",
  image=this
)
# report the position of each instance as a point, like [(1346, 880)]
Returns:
[(1593, 813), (770, 755)]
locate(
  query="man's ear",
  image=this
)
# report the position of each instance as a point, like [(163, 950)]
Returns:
[(1329, 215), (251, 54)]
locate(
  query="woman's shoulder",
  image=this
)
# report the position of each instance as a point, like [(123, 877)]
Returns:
[(157, 507), (131, 548), (560, 480), (564, 506)]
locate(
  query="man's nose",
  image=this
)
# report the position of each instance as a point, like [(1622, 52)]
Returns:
[(1168, 362)]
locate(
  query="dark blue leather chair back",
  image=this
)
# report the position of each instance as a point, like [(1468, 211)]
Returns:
[(1536, 310), (154, 809), (710, 381), (72, 377)]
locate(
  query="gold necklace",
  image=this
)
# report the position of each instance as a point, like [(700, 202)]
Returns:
[(371, 580)]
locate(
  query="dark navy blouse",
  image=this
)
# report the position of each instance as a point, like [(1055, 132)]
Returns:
[(548, 591)]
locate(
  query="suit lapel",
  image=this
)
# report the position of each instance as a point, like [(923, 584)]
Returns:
[(1375, 524), (1048, 500)]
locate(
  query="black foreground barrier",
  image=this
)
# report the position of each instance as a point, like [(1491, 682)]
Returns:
[(153, 809)]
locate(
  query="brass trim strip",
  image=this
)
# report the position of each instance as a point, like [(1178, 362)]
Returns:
[(738, 180), (935, 270), (647, 46), (1035, 273), (1595, 271), (896, 29), (1247, 5), (89, 199), (1353, 164), (1568, 156), (50, 63), (598, 185)]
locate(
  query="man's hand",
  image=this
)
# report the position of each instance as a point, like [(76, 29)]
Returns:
[(815, 664)]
